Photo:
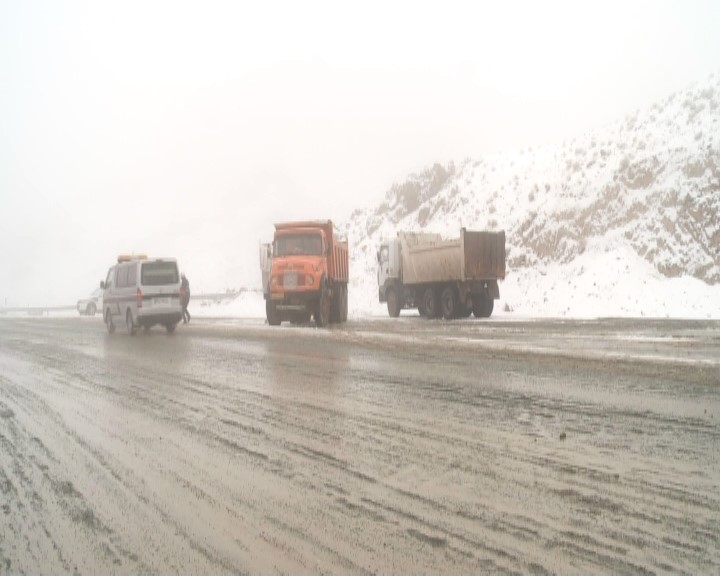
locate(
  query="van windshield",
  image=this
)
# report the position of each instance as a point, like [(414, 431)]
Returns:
[(298, 245), (159, 273)]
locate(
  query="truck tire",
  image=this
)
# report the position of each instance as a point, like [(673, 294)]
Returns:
[(431, 304), (489, 306), (322, 312), (322, 308), (449, 303), (483, 305), (478, 305), (464, 308), (336, 306), (393, 303), (271, 313)]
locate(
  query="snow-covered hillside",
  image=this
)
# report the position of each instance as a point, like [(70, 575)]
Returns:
[(623, 221)]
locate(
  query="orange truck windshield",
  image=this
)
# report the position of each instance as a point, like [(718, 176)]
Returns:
[(298, 245)]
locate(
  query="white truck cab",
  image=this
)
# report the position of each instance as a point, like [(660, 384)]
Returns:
[(389, 264)]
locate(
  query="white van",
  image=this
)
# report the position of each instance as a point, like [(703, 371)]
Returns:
[(141, 291)]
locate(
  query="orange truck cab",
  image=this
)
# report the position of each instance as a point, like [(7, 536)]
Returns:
[(309, 274)]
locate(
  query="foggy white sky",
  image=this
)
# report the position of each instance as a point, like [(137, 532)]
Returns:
[(187, 129)]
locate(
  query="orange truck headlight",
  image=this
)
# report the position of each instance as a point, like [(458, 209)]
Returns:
[(309, 280), (273, 282)]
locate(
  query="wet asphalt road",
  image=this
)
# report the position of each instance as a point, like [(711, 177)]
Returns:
[(400, 446)]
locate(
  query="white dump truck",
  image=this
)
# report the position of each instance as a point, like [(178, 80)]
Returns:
[(449, 278)]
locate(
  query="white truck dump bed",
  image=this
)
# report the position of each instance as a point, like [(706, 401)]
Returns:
[(472, 256)]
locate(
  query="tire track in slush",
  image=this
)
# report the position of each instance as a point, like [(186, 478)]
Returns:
[(367, 459), (61, 512), (84, 514)]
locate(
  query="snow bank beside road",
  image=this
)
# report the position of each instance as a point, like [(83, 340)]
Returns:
[(247, 304), (607, 280), (602, 282)]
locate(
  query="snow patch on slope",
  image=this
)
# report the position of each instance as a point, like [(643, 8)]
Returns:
[(619, 222), (607, 281)]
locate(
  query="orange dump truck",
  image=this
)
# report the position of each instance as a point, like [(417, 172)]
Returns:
[(309, 274)]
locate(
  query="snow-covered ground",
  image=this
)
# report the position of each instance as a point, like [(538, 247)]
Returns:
[(621, 222), (596, 285), (247, 304), (604, 281)]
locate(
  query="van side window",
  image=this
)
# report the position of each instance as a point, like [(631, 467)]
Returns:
[(132, 273), (122, 277), (110, 277)]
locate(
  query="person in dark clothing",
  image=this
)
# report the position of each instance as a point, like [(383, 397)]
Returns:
[(185, 285)]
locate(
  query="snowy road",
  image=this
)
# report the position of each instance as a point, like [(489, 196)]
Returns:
[(382, 446)]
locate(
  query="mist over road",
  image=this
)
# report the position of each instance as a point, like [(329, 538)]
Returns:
[(380, 446)]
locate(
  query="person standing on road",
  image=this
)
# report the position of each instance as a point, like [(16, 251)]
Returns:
[(185, 286)]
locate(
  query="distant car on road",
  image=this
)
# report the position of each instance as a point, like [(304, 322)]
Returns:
[(88, 306)]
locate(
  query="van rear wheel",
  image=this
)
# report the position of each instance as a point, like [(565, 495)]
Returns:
[(129, 324), (109, 322), (170, 327)]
